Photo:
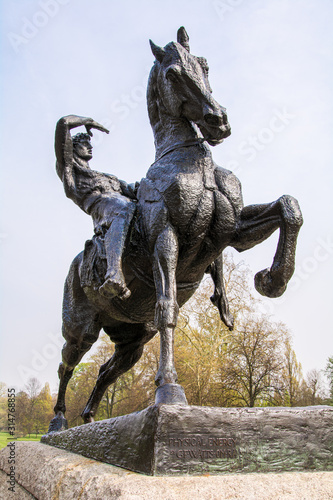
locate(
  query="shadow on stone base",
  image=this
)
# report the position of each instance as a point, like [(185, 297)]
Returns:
[(174, 439)]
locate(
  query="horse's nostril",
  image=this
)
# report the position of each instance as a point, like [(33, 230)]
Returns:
[(213, 120)]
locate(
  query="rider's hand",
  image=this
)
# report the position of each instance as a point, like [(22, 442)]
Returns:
[(92, 124)]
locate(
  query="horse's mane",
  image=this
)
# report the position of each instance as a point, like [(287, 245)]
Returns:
[(152, 95)]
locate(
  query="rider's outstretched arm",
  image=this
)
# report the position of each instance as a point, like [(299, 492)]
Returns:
[(64, 146)]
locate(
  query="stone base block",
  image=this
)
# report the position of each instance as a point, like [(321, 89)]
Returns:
[(173, 439), (44, 472)]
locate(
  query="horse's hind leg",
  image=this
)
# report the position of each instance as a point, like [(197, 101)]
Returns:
[(79, 341), (126, 354), (80, 330)]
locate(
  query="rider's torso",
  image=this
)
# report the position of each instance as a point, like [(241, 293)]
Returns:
[(91, 186)]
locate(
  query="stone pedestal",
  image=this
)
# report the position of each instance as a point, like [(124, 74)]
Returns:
[(44, 472), (174, 439)]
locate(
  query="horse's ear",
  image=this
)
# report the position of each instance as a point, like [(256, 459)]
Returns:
[(158, 52), (183, 38)]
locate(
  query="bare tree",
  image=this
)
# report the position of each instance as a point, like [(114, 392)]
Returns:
[(315, 386), (251, 367), (32, 387), (3, 390), (329, 375), (238, 368)]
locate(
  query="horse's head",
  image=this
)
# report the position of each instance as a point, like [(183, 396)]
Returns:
[(183, 89)]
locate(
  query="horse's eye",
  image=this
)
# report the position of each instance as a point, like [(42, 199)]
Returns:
[(172, 75), (206, 69), (204, 64)]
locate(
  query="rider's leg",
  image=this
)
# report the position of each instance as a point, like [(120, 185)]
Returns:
[(114, 242)]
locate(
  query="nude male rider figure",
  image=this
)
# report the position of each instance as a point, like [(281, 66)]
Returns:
[(103, 196)]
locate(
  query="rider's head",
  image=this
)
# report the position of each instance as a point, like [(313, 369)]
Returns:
[(82, 146)]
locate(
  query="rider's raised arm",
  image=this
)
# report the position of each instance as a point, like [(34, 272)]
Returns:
[(64, 150), (64, 146)]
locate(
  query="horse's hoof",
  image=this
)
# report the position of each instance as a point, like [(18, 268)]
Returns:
[(267, 286), (88, 420), (58, 423), (166, 377), (225, 315), (87, 417), (228, 320), (170, 394)]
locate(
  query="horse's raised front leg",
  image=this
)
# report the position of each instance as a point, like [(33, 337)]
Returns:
[(256, 224)]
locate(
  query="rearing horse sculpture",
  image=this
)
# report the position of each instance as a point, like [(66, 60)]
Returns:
[(188, 211)]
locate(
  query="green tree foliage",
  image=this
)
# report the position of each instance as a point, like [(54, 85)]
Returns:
[(199, 341), (34, 408), (252, 363), (3, 407), (222, 368), (315, 388), (78, 391), (24, 424), (3, 390), (133, 391), (292, 376)]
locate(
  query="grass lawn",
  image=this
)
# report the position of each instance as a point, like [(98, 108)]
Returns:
[(5, 435)]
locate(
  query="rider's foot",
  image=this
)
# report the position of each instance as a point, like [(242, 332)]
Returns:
[(114, 287)]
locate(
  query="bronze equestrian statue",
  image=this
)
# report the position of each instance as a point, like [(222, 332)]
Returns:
[(153, 242)]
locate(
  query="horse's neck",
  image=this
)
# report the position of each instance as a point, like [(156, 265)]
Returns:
[(170, 132)]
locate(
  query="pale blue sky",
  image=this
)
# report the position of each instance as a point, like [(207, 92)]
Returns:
[(271, 67)]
